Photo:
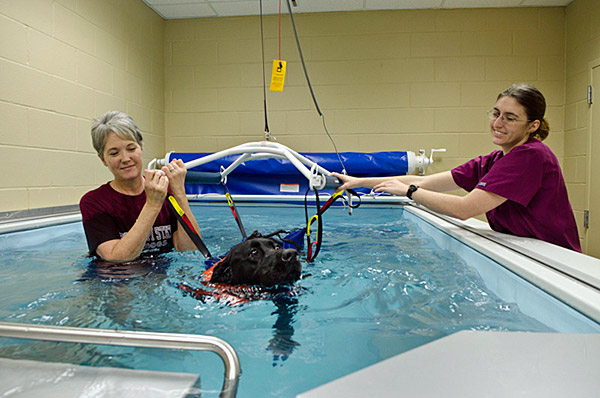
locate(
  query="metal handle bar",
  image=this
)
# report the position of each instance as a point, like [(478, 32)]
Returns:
[(135, 339)]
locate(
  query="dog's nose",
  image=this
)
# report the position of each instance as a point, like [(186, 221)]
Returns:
[(288, 255)]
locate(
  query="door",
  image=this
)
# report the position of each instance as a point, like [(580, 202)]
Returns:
[(593, 232)]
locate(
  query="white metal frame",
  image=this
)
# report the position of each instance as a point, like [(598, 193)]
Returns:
[(259, 150)]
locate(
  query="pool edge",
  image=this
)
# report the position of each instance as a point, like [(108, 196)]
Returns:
[(570, 283)]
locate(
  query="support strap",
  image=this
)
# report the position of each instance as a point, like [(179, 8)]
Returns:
[(312, 253), (236, 215), (187, 225)]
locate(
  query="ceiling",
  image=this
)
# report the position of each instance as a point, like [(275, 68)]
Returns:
[(178, 9)]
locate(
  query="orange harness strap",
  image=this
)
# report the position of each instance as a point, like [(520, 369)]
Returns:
[(231, 294)]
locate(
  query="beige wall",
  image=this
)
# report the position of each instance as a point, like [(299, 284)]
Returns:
[(389, 80), (61, 64), (582, 28)]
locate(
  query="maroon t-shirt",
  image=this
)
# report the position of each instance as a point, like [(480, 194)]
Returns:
[(108, 214), (529, 177)]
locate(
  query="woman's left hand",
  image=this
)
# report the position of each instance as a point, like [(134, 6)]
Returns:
[(176, 172), (394, 187)]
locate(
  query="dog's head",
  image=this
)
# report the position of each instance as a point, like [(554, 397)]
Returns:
[(258, 261)]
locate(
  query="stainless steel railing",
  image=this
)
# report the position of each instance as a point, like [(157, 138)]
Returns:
[(135, 339)]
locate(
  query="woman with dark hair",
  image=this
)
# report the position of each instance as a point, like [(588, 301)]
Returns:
[(519, 187), (128, 215)]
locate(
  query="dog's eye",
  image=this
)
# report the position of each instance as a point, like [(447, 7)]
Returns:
[(253, 252)]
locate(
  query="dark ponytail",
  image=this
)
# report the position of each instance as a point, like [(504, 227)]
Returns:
[(542, 132)]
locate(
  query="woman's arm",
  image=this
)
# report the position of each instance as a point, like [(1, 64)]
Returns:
[(131, 245), (430, 193), (176, 172), (473, 204), (439, 182)]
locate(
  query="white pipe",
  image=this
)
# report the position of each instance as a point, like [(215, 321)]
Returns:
[(258, 150), (235, 164)]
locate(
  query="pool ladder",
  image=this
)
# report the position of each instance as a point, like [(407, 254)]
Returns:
[(135, 339)]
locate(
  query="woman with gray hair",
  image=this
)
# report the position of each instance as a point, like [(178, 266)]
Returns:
[(519, 187), (128, 216)]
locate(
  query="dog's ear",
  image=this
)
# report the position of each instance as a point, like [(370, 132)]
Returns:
[(222, 272), (254, 235)]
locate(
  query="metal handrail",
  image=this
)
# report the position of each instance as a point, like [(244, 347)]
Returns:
[(135, 339)]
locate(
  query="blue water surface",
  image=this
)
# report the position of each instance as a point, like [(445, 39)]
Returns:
[(380, 286)]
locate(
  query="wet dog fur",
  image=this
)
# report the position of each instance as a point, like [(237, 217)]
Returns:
[(258, 261)]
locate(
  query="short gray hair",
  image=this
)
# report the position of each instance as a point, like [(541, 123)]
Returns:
[(116, 122)]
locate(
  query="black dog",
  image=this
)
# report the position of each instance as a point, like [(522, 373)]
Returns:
[(257, 269), (258, 261)]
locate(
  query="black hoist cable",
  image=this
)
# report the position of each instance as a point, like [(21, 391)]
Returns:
[(312, 93)]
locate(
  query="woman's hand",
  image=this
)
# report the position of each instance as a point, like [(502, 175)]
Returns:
[(395, 187), (348, 182), (131, 244), (155, 185), (176, 171)]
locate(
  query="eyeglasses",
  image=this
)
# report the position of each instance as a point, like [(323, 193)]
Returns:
[(494, 114)]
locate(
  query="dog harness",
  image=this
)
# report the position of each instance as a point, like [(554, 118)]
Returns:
[(228, 294), (233, 294)]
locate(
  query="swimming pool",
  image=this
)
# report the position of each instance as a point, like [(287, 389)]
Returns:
[(385, 282)]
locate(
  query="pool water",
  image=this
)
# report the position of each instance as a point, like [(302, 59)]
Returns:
[(380, 286)]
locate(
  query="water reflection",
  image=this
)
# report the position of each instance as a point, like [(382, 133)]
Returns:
[(282, 344), (145, 266)]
